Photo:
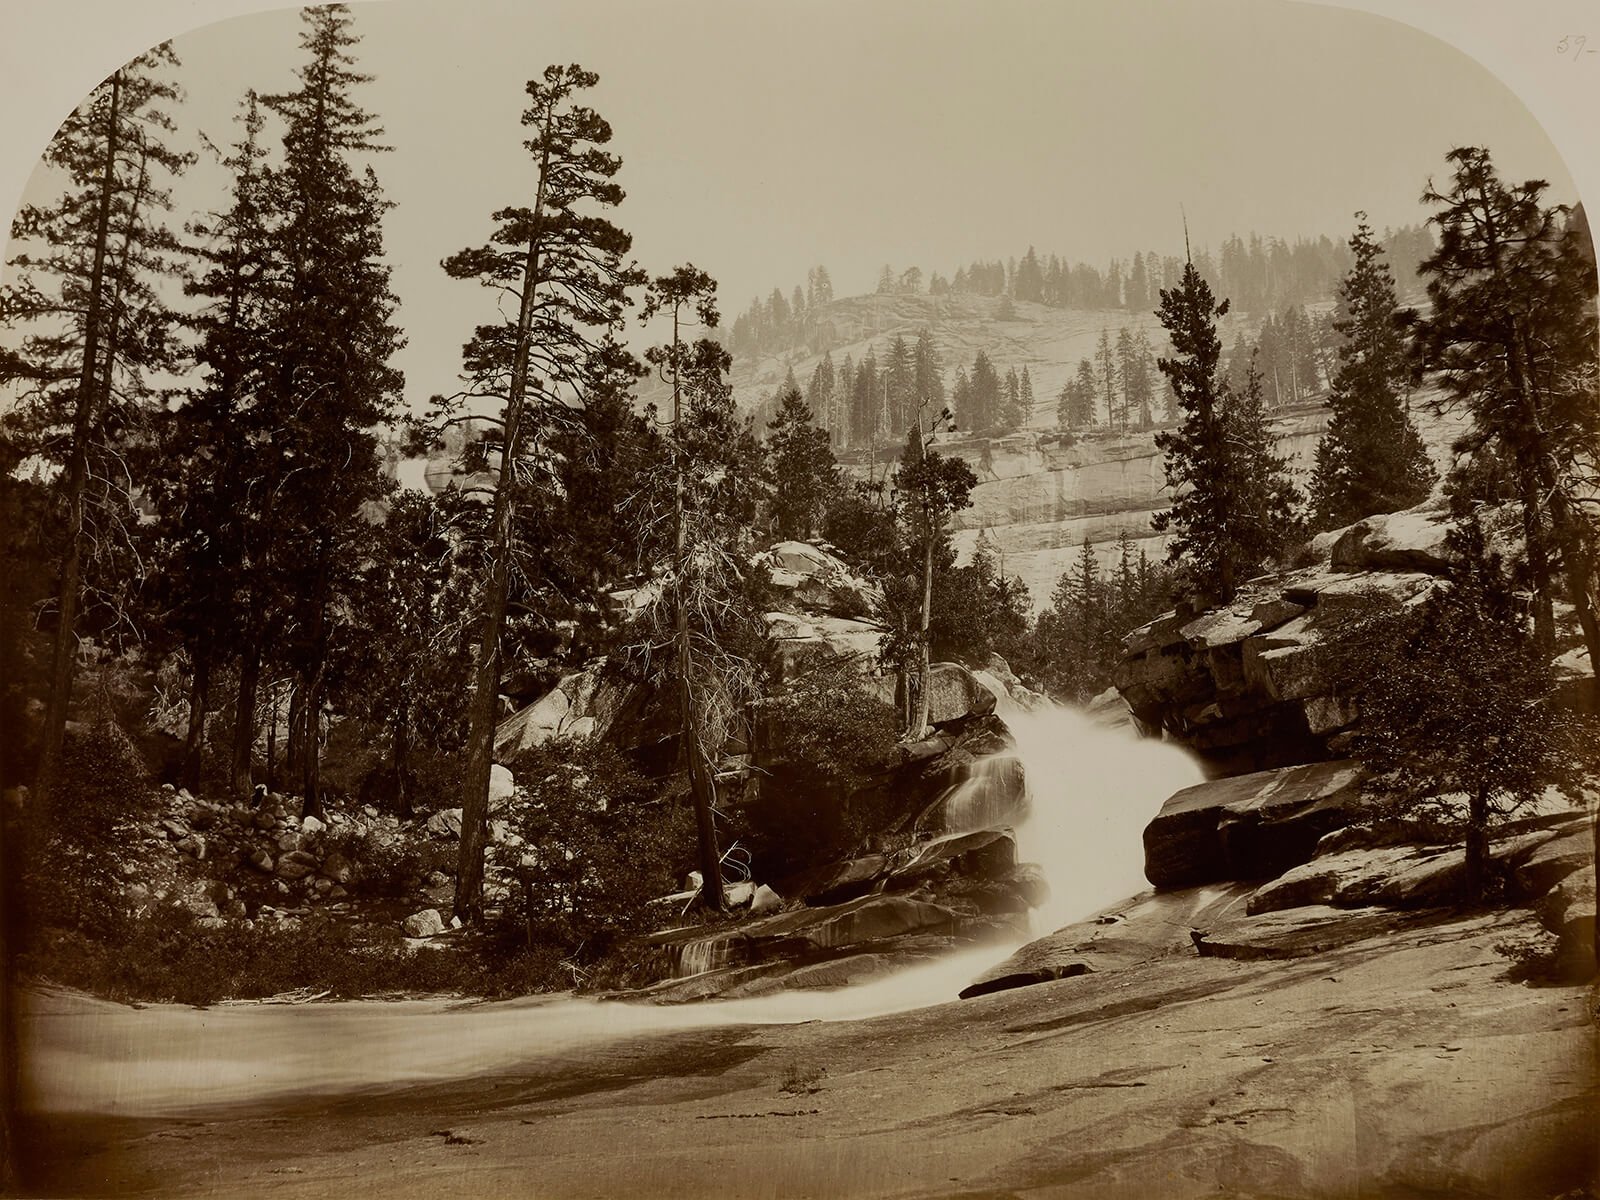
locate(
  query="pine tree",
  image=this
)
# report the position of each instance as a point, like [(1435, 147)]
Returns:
[(1011, 405), (87, 286), (820, 395), (804, 475), (1512, 333), (928, 487), (899, 388), (985, 396), (702, 614), (329, 341), (1371, 459), (929, 373), (1025, 400), (1198, 460), (565, 268), (1108, 381), (212, 443)]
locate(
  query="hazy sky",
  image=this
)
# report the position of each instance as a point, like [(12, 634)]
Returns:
[(760, 139)]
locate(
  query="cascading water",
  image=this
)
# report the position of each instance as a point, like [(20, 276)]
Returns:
[(1089, 792)]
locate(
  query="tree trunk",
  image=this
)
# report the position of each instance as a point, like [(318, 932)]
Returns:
[(272, 736), (1577, 557), (481, 709), (311, 749), (244, 721), (925, 668), (199, 696), (701, 786), (64, 652), (400, 760), (294, 735), (1477, 850)]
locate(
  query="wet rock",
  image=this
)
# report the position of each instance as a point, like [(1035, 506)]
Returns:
[(983, 854), (1149, 926), (426, 923), (837, 882)]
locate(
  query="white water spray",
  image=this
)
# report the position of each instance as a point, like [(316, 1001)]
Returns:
[(1092, 790)]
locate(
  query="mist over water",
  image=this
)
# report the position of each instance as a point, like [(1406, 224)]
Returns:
[(1091, 790)]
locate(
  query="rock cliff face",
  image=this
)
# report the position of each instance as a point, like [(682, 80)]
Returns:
[(1247, 686)]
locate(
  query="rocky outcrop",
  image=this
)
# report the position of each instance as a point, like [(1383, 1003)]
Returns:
[(1248, 686), (1250, 826)]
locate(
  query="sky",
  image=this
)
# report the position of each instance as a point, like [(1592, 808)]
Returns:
[(761, 139)]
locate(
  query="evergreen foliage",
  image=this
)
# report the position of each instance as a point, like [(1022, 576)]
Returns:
[(1232, 505), (1371, 459)]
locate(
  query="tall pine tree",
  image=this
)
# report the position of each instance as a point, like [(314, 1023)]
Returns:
[(562, 267), (1371, 459)]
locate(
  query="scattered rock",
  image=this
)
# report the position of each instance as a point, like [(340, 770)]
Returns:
[(311, 825), (446, 822), (261, 860), (765, 901), (338, 868), (426, 923)]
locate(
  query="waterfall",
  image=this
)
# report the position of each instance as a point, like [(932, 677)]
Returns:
[(1091, 791), (1078, 794)]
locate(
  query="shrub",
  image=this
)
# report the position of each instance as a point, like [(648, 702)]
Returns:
[(597, 845), (824, 739), (72, 857)]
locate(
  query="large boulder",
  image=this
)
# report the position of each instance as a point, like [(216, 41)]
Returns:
[(813, 579), (423, 924), (582, 704), (803, 643), (1252, 826), (1413, 540), (955, 692)]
